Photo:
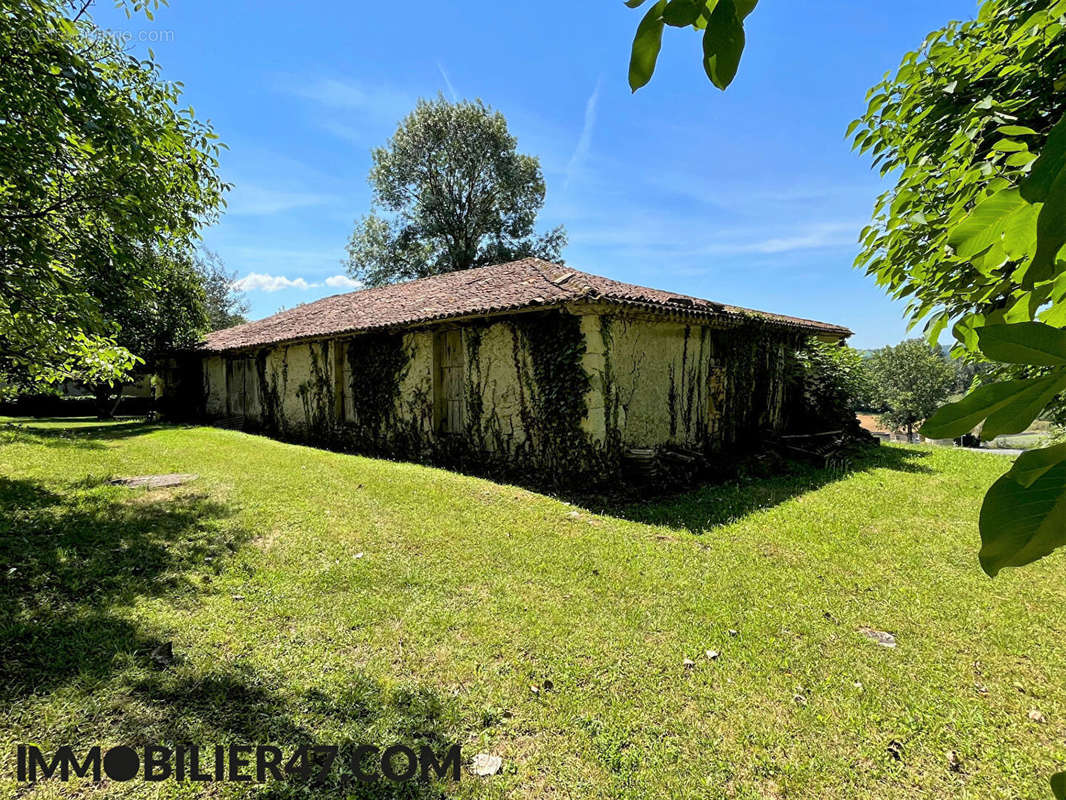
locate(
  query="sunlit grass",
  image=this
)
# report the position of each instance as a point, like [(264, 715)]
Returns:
[(318, 597)]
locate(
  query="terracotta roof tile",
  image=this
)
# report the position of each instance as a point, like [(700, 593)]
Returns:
[(517, 285)]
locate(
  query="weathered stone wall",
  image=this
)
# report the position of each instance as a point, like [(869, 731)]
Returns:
[(552, 391), (690, 385)]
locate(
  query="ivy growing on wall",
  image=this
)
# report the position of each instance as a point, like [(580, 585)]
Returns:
[(554, 388), (725, 386), (751, 391), (270, 409), (379, 363), (475, 388), (613, 405), (316, 393)]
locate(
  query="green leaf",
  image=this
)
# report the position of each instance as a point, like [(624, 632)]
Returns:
[(1021, 159), (1009, 146), (745, 7), (682, 13), (646, 45), (1024, 407), (1047, 184), (1031, 343), (955, 419), (1022, 524), (723, 44), (935, 326), (1015, 130), (635, 3), (1032, 464), (965, 330), (1058, 785), (1049, 167), (1003, 218)]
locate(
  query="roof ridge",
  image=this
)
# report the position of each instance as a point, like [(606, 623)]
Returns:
[(489, 289)]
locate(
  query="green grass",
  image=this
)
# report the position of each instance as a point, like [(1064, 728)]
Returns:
[(468, 592)]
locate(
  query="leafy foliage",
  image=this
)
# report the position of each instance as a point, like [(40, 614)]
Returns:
[(225, 305), (150, 321), (974, 232), (722, 24), (960, 126), (1022, 517), (835, 380), (451, 192), (97, 168), (912, 379)]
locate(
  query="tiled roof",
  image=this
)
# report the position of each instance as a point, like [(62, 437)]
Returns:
[(503, 287)]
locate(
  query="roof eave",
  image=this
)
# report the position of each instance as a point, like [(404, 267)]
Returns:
[(658, 309)]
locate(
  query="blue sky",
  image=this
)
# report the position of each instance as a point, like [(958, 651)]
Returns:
[(750, 197)]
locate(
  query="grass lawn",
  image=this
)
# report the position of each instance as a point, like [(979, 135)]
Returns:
[(318, 597)]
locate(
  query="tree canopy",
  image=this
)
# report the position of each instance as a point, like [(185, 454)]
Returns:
[(225, 305), (959, 127), (912, 379), (97, 167), (451, 192)]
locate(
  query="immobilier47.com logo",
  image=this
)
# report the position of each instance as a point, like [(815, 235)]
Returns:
[(237, 763)]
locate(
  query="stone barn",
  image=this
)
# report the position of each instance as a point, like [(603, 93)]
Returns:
[(528, 367)]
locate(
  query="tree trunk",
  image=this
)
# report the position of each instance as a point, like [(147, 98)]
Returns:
[(105, 405)]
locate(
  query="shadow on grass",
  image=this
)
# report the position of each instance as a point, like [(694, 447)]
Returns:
[(70, 562), (75, 558), (709, 507), (82, 432), (235, 704)]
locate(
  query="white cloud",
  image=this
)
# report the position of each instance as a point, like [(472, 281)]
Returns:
[(816, 237), (260, 282), (584, 142), (250, 199), (345, 95), (448, 83), (343, 282), (655, 234)]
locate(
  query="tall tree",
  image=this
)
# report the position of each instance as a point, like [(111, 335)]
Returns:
[(913, 380), (149, 321), (226, 305), (96, 165), (451, 192)]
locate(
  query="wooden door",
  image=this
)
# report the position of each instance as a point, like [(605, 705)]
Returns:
[(448, 386), (241, 389), (234, 387)]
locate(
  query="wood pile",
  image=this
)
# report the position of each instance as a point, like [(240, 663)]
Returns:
[(827, 449), (640, 465)]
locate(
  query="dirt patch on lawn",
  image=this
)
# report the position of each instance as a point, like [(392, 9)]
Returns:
[(871, 423)]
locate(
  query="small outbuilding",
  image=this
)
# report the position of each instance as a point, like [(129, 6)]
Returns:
[(528, 367)]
